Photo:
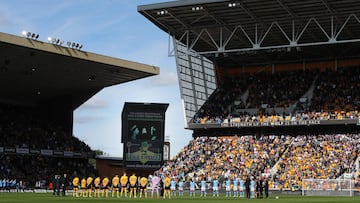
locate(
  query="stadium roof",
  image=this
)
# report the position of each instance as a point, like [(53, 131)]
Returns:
[(33, 72), (261, 31)]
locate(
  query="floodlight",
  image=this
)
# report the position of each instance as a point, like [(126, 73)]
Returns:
[(162, 12), (30, 35), (197, 8), (233, 4), (56, 41)]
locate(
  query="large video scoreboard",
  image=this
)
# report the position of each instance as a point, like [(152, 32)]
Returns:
[(143, 135)]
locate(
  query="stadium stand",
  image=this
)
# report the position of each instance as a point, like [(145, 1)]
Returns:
[(37, 105), (285, 159), (23, 127), (286, 83), (336, 97), (37, 149), (291, 158)]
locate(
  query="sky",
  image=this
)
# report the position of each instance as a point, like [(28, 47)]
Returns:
[(112, 28)]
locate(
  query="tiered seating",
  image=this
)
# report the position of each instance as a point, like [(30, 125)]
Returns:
[(303, 156), (47, 149), (281, 89), (337, 91), (317, 157)]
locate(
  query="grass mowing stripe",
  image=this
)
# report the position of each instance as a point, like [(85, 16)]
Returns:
[(48, 197)]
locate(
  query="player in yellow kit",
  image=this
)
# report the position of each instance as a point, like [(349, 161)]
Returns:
[(143, 186), (167, 181), (105, 187), (89, 182), (115, 186), (83, 187), (97, 182), (124, 182), (75, 184), (133, 184)]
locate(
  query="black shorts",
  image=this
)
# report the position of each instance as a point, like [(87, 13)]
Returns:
[(143, 187), (167, 187), (88, 187)]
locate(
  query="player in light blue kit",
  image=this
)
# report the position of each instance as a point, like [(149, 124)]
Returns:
[(242, 187), (192, 187), (215, 187), (228, 187), (181, 187), (252, 188), (235, 186), (203, 187), (173, 187)]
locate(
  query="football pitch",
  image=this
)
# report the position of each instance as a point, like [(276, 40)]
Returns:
[(48, 197)]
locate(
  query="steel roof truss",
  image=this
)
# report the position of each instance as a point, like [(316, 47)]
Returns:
[(345, 23), (268, 30), (256, 40)]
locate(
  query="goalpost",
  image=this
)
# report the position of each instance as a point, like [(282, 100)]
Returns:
[(327, 187)]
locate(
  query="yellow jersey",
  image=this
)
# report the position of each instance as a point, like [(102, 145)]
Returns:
[(83, 183), (105, 182), (124, 180), (115, 181), (97, 182), (75, 182), (89, 181), (167, 182), (143, 181), (133, 180)]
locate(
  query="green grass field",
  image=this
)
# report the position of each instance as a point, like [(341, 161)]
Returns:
[(48, 197)]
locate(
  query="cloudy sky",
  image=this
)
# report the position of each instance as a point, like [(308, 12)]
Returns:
[(113, 28)]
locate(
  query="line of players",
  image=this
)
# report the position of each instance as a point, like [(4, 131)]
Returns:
[(125, 186), (234, 187)]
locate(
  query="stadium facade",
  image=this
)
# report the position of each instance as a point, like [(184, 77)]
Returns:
[(266, 77), (215, 39), (41, 85)]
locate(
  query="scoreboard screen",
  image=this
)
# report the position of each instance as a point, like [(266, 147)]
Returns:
[(143, 135)]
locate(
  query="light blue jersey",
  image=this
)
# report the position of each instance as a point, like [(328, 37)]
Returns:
[(252, 189), (242, 185), (216, 184), (192, 188), (228, 187), (235, 187), (203, 185), (173, 184), (203, 188), (228, 183), (216, 187), (181, 185), (235, 183), (181, 188), (242, 188), (192, 185)]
